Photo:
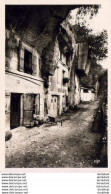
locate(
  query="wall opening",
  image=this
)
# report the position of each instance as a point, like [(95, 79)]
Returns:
[(27, 62), (85, 90), (15, 110)]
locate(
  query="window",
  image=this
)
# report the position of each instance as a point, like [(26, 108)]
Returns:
[(27, 62), (63, 72), (67, 60), (85, 90), (60, 55)]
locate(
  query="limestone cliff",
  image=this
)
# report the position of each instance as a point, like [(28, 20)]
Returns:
[(38, 26)]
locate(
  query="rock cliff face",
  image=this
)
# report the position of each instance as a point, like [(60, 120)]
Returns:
[(38, 26), (95, 72)]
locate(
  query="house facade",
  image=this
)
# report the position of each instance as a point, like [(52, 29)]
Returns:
[(57, 94), (24, 90), (79, 64), (34, 87), (87, 94)]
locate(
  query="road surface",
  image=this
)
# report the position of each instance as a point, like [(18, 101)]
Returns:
[(72, 145)]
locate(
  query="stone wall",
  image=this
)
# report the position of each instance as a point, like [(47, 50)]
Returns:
[(17, 81)]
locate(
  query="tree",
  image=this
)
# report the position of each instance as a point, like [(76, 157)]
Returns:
[(84, 10), (97, 42)]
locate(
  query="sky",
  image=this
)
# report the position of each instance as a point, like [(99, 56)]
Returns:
[(98, 23)]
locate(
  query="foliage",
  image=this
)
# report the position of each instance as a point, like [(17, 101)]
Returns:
[(84, 10), (95, 72), (97, 42)]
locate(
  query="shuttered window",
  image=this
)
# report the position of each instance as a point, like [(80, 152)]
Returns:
[(27, 61), (21, 59), (34, 65)]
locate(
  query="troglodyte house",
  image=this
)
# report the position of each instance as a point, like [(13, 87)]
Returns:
[(57, 93), (43, 66), (87, 94), (28, 92), (24, 86)]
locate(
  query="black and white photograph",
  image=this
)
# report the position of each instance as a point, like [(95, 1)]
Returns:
[(56, 81)]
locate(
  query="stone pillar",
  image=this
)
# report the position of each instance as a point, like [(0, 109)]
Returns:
[(7, 110), (8, 133)]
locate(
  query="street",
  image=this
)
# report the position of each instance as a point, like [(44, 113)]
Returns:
[(72, 145)]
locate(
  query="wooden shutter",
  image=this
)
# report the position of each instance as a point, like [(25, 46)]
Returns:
[(39, 63), (34, 65), (21, 58), (28, 100), (37, 104)]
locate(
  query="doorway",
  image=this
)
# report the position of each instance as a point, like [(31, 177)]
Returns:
[(54, 108), (15, 110)]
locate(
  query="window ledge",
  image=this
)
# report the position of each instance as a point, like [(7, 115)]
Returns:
[(25, 75)]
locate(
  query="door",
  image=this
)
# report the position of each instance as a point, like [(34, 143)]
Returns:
[(15, 110), (54, 106), (28, 105)]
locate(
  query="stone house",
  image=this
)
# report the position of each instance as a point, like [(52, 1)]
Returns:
[(57, 92), (70, 58), (45, 83), (24, 87), (79, 64), (82, 67), (87, 94)]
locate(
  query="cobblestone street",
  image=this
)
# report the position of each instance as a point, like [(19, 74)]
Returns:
[(72, 145)]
